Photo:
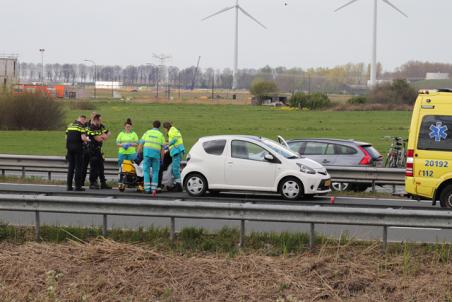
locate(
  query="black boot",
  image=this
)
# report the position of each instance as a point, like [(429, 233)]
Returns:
[(94, 186), (179, 187)]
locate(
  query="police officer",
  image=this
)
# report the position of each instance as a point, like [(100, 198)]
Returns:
[(75, 137), (98, 133), (151, 145), (177, 150), (86, 153)]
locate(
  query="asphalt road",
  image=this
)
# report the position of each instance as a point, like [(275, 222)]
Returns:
[(332, 231), (62, 176)]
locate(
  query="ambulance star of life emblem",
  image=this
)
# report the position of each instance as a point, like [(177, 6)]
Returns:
[(438, 131)]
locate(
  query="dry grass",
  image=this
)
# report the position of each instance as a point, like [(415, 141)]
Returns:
[(197, 96), (372, 107), (104, 270)]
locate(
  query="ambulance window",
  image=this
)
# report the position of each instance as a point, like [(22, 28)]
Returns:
[(436, 133), (215, 147)]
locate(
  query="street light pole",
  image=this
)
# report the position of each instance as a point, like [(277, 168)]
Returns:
[(42, 50), (95, 74)]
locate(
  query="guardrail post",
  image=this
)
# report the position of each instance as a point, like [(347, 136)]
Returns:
[(242, 233), (311, 235), (373, 186), (385, 238), (37, 226), (23, 172), (104, 225), (172, 229), (3, 172), (393, 189), (49, 175)]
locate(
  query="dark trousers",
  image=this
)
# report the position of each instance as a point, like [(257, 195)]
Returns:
[(96, 164), (74, 158), (85, 164), (167, 160)]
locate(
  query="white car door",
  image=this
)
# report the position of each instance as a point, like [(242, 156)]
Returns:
[(247, 169), (213, 161)]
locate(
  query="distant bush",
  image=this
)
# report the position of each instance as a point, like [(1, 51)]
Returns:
[(313, 101), (357, 100), (30, 112), (398, 92), (82, 105), (262, 88)]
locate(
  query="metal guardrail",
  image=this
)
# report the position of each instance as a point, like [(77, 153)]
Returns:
[(57, 164), (44, 164), (226, 211), (370, 175)]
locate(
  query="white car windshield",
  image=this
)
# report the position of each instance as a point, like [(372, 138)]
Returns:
[(280, 149)]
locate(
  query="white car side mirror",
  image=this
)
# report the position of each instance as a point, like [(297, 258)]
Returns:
[(269, 157)]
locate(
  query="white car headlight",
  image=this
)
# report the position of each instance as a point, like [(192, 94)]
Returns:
[(305, 169)]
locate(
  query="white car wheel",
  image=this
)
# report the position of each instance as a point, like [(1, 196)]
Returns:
[(196, 185), (291, 189)]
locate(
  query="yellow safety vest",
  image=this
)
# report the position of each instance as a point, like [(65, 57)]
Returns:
[(153, 139), (174, 138)]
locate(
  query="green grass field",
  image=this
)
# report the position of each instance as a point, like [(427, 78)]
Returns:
[(196, 121)]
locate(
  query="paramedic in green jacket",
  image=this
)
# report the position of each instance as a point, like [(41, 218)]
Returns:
[(151, 144), (177, 150), (127, 142)]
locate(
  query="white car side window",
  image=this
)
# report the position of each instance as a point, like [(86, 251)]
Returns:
[(247, 150)]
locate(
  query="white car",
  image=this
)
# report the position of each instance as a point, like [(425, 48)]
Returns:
[(251, 163)]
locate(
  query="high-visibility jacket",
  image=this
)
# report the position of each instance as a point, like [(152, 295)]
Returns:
[(152, 141), (94, 131), (127, 138), (74, 134), (175, 141)]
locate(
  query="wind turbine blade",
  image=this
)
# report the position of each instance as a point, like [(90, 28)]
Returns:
[(251, 17), (395, 7), (219, 12), (345, 5)]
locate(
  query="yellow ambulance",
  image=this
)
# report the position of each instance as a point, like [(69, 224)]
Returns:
[(429, 153)]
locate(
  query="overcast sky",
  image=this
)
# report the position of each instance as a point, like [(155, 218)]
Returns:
[(303, 33)]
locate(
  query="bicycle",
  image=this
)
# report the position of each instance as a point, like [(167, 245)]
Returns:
[(396, 156)]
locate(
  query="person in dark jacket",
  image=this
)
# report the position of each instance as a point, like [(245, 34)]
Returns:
[(86, 155), (98, 133), (75, 137)]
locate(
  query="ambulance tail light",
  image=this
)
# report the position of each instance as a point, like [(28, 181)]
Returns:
[(409, 171)]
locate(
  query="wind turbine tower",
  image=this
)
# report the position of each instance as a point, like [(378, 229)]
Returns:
[(236, 9), (373, 67)]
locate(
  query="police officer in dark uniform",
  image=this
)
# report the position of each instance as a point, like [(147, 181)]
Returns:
[(75, 137), (98, 133), (86, 153)]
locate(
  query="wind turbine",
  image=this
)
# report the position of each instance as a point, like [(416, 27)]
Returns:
[(373, 67), (237, 8)]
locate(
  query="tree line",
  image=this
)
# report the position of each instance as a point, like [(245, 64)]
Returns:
[(332, 79)]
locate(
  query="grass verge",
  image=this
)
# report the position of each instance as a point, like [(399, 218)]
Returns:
[(196, 121), (77, 265)]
